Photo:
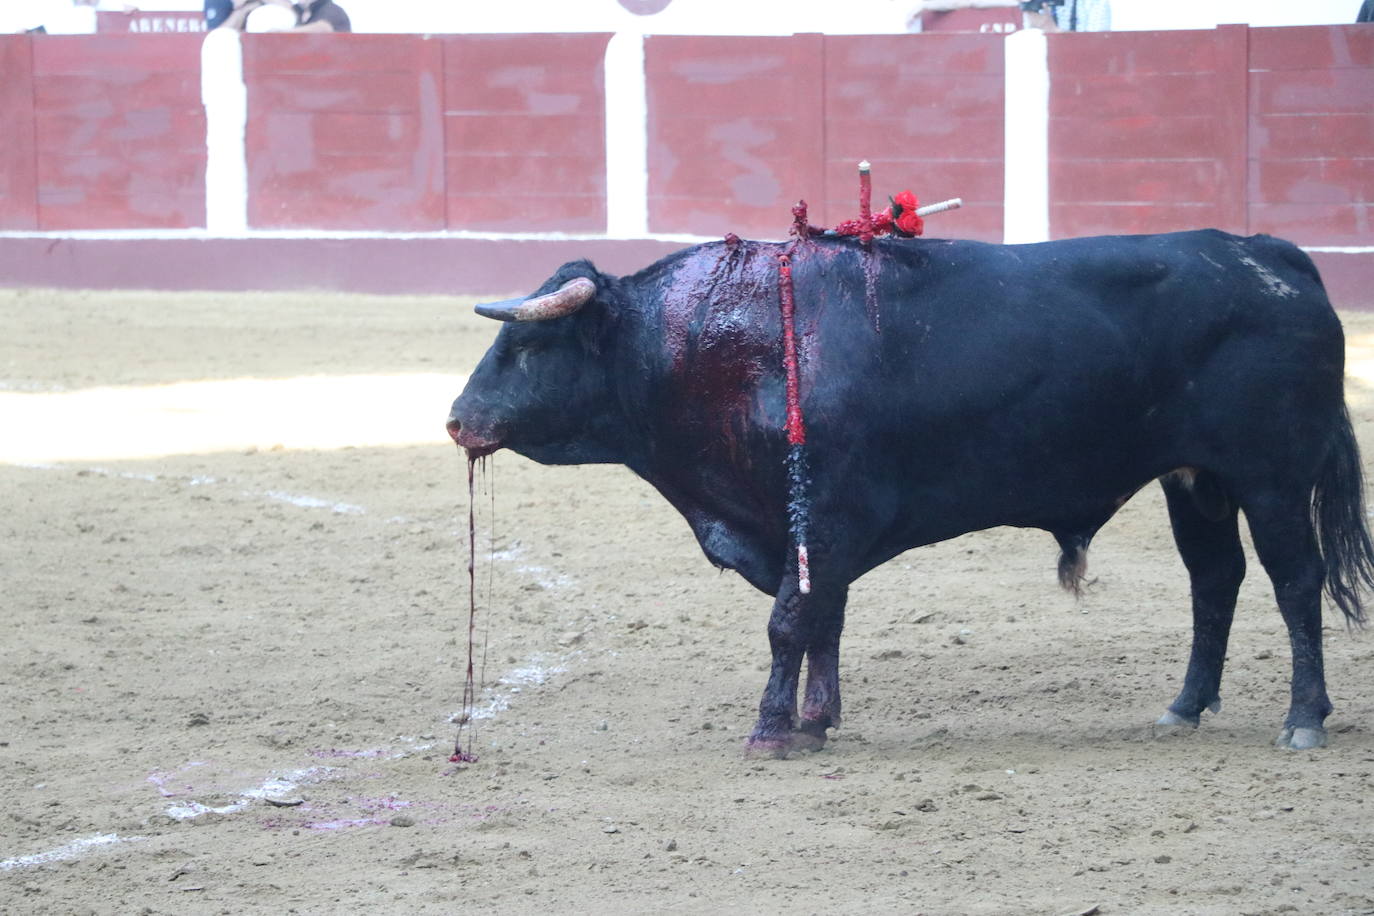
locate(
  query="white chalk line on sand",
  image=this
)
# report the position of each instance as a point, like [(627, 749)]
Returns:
[(536, 671), (274, 786), (300, 500), (314, 502), (67, 851)]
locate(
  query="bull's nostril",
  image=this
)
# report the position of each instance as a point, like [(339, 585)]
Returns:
[(453, 427)]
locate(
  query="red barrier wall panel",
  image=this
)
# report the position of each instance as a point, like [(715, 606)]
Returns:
[(1320, 181), (525, 132), (735, 132), (1311, 149), (85, 54), (1331, 224), (1319, 46), (1147, 131), (740, 128), (344, 132), (1303, 90), (119, 132), (18, 175), (1313, 135), (497, 135), (1139, 139), (1245, 129), (1136, 94), (927, 111)]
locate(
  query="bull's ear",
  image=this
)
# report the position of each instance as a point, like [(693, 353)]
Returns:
[(565, 300)]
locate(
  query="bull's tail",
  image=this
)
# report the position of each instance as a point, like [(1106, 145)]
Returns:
[(1339, 516)]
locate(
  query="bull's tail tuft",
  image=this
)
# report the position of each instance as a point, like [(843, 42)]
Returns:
[(1073, 562), (1342, 529)]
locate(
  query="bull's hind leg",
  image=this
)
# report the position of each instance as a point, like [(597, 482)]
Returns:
[(1287, 546), (799, 622), (1208, 540)]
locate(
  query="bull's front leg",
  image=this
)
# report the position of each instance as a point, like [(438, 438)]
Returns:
[(821, 706), (801, 624)]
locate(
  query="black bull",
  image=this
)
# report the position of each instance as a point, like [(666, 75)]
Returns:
[(953, 386)]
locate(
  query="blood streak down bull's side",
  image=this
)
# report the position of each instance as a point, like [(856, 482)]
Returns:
[(1030, 385)]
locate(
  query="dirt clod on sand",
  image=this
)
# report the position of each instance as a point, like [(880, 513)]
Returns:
[(235, 591)]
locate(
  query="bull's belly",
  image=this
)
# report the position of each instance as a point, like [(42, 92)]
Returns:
[(1068, 500)]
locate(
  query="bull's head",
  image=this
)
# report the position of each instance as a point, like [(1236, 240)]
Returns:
[(541, 389)]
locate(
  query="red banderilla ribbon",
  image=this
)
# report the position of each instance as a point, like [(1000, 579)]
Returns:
[(796, 426)]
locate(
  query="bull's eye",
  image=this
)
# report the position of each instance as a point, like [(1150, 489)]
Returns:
[(524, 350)]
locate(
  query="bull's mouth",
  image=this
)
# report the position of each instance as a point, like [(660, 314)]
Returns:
[(479, 451), (476, 446)]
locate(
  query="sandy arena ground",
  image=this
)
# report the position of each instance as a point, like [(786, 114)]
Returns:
[(233, 566)]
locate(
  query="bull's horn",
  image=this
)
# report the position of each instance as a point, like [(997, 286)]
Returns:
[(567, 299)]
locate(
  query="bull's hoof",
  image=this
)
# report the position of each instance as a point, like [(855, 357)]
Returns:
[(1171, 724), (1174, 723), (1301, 739), (810, 735), (768, 747)]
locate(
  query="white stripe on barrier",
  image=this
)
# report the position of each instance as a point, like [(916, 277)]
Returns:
[(627, 137), (1026, 175), (225, 97)]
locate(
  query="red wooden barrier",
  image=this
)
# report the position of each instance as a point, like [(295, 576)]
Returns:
[(927, 111), (1311, 147), (1147, 131), (18, 179), (1248, 130), (120, 131), (733, 132), (740, 128), (1245, 129), (344, 132), (525, 132)]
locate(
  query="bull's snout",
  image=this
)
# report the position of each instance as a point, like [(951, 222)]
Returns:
[(470, 437)]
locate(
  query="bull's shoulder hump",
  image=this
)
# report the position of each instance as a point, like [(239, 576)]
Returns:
[(1119, 261)]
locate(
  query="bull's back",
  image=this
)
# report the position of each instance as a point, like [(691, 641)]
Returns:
[(975, 328), (1011, 384)]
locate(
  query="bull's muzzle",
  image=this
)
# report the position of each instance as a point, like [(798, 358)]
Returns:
[(474, 443)]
